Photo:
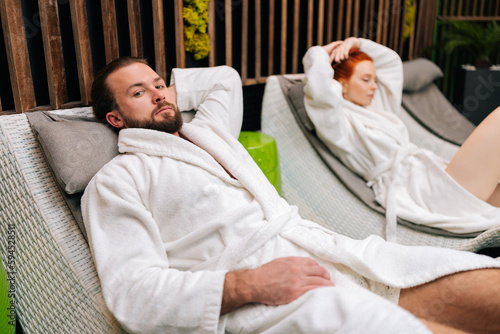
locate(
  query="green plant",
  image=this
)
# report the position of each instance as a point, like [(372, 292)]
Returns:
[(409, 18), (481, 42), (195, 16)]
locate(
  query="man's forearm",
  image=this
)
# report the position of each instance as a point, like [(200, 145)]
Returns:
[(237, 291), (275, 283)]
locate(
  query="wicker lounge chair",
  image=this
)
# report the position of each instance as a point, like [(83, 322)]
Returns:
[(57, 289)]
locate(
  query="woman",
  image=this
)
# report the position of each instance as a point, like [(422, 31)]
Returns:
[(353, 105)]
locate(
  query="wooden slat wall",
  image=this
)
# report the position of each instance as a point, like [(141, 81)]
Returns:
[(23, 89), (258, 38), (17, 55)]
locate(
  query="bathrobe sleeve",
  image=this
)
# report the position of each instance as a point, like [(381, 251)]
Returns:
[(323, 99), (389, 69), (140, 288), (215, 93)]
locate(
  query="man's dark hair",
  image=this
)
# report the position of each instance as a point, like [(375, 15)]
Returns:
[(103, 100)]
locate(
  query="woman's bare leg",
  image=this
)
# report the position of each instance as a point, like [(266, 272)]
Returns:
[(469, 301), (495, 197), (476, 165)]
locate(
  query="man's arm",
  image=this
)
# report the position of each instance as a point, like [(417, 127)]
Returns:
[(275, 283), (215, 93)]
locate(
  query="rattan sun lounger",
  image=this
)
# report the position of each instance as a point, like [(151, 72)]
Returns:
[(57, 289)]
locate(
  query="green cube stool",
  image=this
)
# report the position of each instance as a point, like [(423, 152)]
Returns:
[(262, 148)]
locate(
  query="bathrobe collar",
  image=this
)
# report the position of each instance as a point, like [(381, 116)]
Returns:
[(207, 149)]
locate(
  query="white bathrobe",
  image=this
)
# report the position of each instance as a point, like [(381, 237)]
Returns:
[(372, 141), (166, 221)]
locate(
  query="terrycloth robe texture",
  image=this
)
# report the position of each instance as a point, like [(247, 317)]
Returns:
[(408, 181), (168, 218)]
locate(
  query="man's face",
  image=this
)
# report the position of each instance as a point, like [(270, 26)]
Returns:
[(143, 99)]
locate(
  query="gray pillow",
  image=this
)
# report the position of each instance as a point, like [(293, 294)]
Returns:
[(419, 73), (75, 147)]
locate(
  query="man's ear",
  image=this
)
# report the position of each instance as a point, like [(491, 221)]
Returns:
[(115, 119)]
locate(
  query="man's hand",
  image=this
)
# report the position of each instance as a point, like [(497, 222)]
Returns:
[(275, 283), (339, 50)]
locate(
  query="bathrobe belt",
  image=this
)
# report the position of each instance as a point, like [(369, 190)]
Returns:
[(242, 248), (394, 168)]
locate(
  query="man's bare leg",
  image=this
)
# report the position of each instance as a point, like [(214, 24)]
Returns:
[(469, 301)]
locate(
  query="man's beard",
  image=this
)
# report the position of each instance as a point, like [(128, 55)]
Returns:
[(170, 124)]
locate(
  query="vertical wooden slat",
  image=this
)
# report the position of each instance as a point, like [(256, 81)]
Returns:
[(52, 47), (211, 33), (380, 18), (159, 38), (244, 41), (180, 53), (481, 8), (411, 42), (384, 22), (460, 8), (445, 8), (451, 8), (109, 30), (329, 24), (82, 48), (321, 21), (396, 28), (17, 55), (310, 20), (134, 26), (340, 19), (356, 18), (284, 15), (348, 21), (295, 46), (228, 17), (258, 43), (366, 21), (270, 60)]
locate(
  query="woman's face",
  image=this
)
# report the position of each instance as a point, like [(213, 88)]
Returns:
[(362, 84)]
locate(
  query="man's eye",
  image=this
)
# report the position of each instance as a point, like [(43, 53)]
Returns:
[(138, 93), (160, 86)]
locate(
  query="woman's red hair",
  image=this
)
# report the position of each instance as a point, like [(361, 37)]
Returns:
[(345, 69)]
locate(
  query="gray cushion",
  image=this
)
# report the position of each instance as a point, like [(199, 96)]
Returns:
[(75, 147), (419, 73), (434, 112)]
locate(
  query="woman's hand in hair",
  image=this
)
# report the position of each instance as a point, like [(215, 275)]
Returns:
[(339, 50)]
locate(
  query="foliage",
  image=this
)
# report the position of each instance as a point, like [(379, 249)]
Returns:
[(195, 16), (481, 42), (409, 18)]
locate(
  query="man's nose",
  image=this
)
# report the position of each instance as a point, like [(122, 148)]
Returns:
[(159, 96)]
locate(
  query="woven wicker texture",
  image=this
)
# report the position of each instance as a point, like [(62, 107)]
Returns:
[(57, 288), (321, 197)]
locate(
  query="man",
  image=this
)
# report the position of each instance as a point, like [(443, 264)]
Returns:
[(189, 236)]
